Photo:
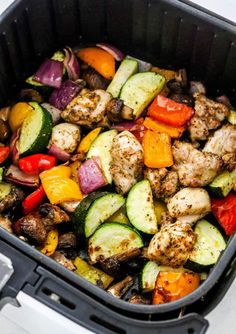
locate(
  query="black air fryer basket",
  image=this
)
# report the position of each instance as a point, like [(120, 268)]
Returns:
[(167, 33)]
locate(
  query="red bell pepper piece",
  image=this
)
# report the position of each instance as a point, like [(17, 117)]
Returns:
[(4, 153), (37, 163), (170, 112), (225, 211), (32, 201)]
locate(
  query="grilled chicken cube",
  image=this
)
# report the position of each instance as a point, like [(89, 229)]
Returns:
[(127, 161), (88, 108), (172, 245), (194, 168), (208, 116), (164, 183), (223, 143)]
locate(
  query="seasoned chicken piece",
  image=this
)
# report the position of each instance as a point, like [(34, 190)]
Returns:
[(172, 245), (61, 259), (208, 116), (15, 196), (223, 143), (127, 161), (88, 108), (164, 183), (194, 168), (189, 205), (6, 223)]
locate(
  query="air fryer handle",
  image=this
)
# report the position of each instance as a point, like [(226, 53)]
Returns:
[(88, 312)]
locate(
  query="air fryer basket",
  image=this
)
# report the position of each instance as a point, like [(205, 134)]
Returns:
[(167, 33)]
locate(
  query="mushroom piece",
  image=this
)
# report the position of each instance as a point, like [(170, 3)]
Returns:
[(117, 111), (94, 79), (182, 98), (61, 259), (4, 131), (139, 299), (29, 94), (15, 196), (67, 244), (112, 264), (32, 227), (119, 289)]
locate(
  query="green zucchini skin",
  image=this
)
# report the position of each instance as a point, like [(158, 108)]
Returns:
[(111, 239), (79, 215), (127, 68), (207, 249), (35, 135), (222, 184), (140, 208), (94, 210), (101, 147)]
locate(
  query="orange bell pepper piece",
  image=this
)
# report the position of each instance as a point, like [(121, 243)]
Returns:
[(100, 60), (172, 131), (171, 286), (51, 243), (59, 187), (157, 149), (86, 142), (168, 74)]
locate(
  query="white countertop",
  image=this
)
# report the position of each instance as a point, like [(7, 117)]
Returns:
[(222, 319)]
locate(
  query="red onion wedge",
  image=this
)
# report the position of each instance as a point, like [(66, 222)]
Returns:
[(116, 53), (58, 153), (143, 66), (62, 96), (71, 64), (91, 176), (14, 147), (50, 73), (15, 175)]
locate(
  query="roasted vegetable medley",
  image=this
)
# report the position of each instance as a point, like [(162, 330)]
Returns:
[(121, 171)]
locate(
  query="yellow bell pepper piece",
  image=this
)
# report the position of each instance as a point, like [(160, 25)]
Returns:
[(59, 187), (159, 208), (74, 170), (86, 142), (119, 217), (18, 113), (58, 171), (51, 243)]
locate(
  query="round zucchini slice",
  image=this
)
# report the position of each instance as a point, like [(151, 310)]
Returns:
[(112, 239)]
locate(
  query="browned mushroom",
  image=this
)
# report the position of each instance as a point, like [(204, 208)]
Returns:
[(29, 94), (32, 227), (67, 244), (117, 111), (15, 196), (94, 79), (4, 131), (61, 259), (139, 299), (6, 223), (119, 289)]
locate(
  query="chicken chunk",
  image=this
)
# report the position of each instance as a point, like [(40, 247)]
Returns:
[(172, 245), (127, 161), (223, 143), (164, 183), (194, 168), (15, 196), (88, 108), (189, 205), (208, 116)]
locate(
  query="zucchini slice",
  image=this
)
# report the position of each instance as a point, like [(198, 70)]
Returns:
[(223, 184), (150, 272), (92, 274), (112, 239), (94, 210), (140, 89), (81, 210), (127, 68), (208, 247), (140, 208), (36, 131), (101, 148)]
